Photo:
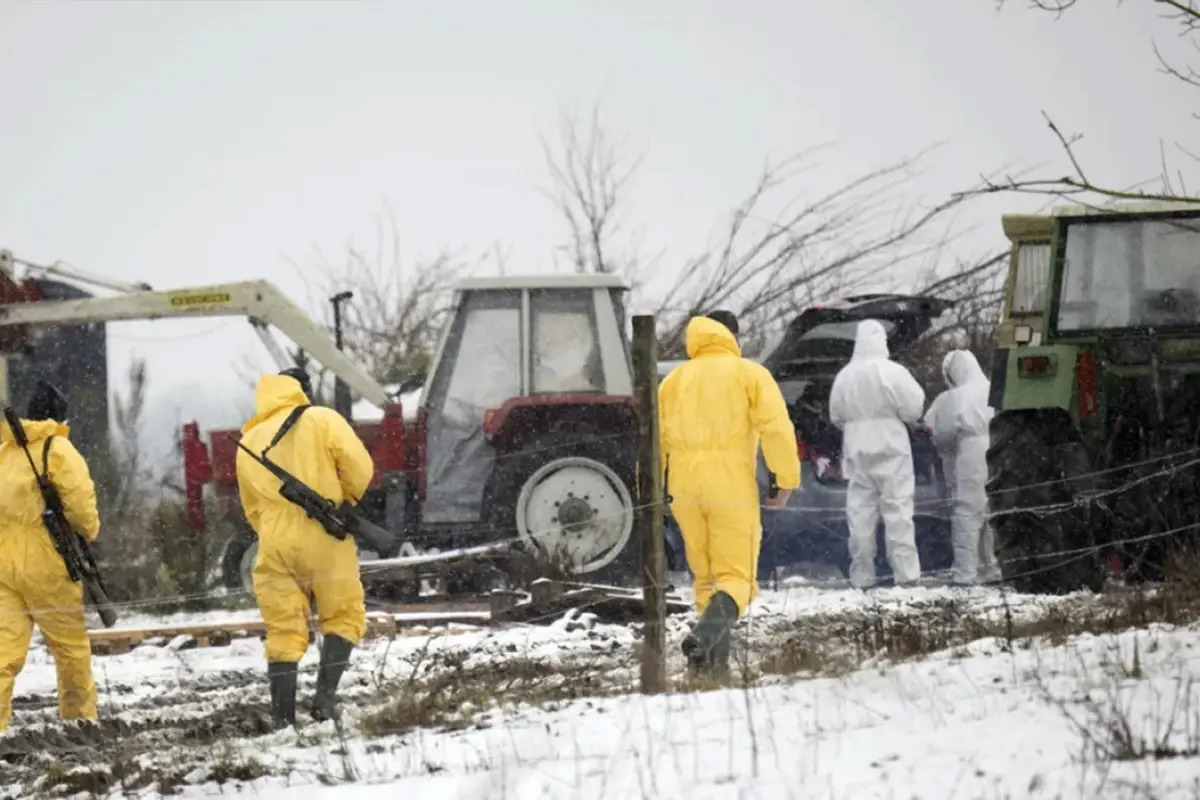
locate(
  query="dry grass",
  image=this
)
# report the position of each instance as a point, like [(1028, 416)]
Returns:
[(459, 697), (833, 644)]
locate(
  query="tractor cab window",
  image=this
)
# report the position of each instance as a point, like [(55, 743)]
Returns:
[(1130, 274), (565, 355), (1032, 274), (480, 368), (485, 355)]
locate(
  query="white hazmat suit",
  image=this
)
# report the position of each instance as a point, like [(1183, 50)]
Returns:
[(959, 418), (873, 401)]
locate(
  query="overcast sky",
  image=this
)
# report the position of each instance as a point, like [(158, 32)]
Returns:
[(185, 143)]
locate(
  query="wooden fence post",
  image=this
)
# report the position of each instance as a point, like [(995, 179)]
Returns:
[(649, 514)]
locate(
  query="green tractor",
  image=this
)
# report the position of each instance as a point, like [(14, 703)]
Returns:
[(1094, 463)]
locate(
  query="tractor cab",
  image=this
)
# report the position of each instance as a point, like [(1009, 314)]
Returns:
[(525, 427), (1096, 386)]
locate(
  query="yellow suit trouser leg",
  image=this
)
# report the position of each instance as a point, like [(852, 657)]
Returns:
[(282, 601), (58, 612), (337, 588), (16, 629), (693, 527), (734, 540)]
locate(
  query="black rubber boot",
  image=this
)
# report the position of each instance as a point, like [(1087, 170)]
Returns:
[(335, 656), (707, 645), (283, 675)]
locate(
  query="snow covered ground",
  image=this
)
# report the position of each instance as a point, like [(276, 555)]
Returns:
[(929, 693)]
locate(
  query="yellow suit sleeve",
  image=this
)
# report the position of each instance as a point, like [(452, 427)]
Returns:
[(71, 477), (769, 416), (355, 468)]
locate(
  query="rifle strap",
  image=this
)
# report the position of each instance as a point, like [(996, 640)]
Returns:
[(287, 425), (46, 457)]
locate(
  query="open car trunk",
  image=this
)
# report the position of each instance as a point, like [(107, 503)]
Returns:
[(818, 343)]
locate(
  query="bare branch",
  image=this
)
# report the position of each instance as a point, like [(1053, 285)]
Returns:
[(590, 180), (1187, 15), (769, 265), (392, 321)]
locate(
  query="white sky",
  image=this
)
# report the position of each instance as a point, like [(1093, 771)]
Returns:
[(185, 143)]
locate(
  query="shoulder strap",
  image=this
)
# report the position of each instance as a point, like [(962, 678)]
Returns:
[(287, 425), (46, 456)]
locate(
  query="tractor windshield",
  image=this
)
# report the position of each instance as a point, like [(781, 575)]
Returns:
[(1130, 274)]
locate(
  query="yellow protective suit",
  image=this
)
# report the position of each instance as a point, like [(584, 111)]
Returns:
[(34, 586), (714, 410), (297, 559)]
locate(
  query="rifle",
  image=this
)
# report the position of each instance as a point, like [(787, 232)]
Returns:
[(338, 521), (73, 548)]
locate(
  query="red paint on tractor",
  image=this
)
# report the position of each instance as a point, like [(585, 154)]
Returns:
[(13, 337), (494, 419), (1086, 387), (197, 471)]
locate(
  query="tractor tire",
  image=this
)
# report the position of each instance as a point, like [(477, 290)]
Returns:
[(1039, 476), (570, 503), (237, 562)]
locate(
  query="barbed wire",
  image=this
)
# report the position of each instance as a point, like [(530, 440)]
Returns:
[(365, 566)]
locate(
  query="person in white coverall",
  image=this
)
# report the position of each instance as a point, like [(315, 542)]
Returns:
[(959, 418), (873, 401)]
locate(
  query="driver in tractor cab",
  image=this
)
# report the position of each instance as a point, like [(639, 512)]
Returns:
[(297, 560), (714, 410)]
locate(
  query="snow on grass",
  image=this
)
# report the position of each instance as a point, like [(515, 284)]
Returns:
[(980, 724), (894, 693)]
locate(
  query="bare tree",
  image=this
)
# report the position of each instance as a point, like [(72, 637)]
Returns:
[(784, 247), (128, 450), (1079, 183), (590, 176), (771, 262), (392, 322)]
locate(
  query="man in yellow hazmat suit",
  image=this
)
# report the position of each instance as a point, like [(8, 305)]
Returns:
[(34, 585), (714, 409), (298, 561)]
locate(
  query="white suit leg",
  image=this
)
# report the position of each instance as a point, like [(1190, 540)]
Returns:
[(862, 518), (989, 565), (970, 507), (894, 476)]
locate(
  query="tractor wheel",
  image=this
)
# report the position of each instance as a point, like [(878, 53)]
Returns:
[(571, 506), (1039, 476), (237, 562)]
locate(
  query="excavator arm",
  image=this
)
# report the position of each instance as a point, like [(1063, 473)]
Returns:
[(259, 301)]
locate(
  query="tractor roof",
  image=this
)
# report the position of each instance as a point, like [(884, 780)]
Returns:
[(549, 280), (1129, 207), (1040, 226)]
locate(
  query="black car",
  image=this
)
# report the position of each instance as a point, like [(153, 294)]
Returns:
[(806, 359)]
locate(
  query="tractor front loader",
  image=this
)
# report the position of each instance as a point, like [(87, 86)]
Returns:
[(1095, 445)]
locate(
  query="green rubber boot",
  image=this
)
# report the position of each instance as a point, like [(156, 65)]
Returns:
[(706, 647), (335, 656), (282, 676)]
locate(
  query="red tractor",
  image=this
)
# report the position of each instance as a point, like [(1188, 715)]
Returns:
[(522, 440)]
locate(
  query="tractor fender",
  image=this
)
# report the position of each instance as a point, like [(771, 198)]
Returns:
[(522, 420)]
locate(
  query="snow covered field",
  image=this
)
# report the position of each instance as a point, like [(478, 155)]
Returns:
[(926, 693)]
